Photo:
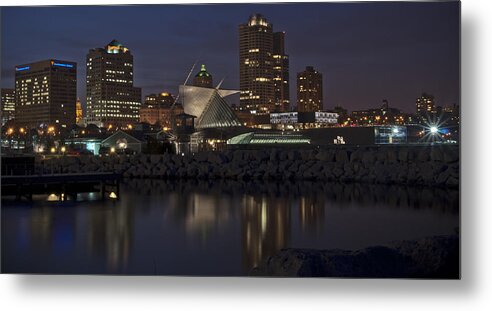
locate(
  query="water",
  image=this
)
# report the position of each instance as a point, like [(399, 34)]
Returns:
[(213, 228)]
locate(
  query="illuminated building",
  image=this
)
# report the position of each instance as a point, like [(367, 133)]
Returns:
[(269, 138), (380, 116), (360, 135), (208, 106), (112, 100), (425, 105), (280, 73), (309, 119), (79, 114), (256, 66), (8, 105), (203, 78), (156, 109), (309, 90), (45, 93)]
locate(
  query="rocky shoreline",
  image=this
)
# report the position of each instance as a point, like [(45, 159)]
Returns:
[(432, 257), (404, 165)]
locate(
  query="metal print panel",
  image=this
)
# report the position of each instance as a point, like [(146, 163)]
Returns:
[(272, 140)]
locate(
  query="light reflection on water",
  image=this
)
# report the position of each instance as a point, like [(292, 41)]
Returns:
[(214, 228)]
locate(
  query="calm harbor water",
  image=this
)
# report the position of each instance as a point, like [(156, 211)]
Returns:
[(213, 228)]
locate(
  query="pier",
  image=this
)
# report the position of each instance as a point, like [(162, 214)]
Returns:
[(64, 186)]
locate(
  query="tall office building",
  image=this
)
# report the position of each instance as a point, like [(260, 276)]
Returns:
[(309, 90), (112, 100), (280, 73), (203, 78), (45, 93), (8, 105), (425, 105), (256, 66)]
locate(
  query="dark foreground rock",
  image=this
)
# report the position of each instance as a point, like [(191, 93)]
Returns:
[(434, 257)]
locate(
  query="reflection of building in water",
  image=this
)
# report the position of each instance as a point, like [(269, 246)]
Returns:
[(41, 228), (202, 214), (265, 228), (205, 213), (110, 235), (48, 232), (311, 213)]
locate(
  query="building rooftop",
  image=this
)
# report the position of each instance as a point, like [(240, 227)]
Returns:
[(203, 72), (115, 47)]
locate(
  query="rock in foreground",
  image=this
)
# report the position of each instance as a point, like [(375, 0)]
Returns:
[(434, 257)]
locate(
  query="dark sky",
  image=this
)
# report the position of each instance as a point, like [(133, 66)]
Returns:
[(366, 51)]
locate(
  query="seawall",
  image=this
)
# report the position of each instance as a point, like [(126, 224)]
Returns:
[(406, 165)]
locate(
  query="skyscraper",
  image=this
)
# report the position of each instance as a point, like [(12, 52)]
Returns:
[(256, 66), (203, 78), (425, 105), (280, 73), (45, 93), (8, 105), (309, 90), (111, 97)]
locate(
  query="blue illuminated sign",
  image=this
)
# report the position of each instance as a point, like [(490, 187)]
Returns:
[(22, 68), (63, 65)]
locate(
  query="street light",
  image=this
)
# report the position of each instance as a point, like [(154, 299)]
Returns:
[(434, 129), (63, 149)]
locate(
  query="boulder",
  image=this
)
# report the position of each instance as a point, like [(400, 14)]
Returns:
[(433, 257)]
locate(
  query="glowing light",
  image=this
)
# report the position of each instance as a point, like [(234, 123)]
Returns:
[(22, 68), (53, 149), (434, 129), (113, 195), (395, 130), (63, 149), (62, 65), (10, 131), (112, 150), (53, 197), (22, 130)]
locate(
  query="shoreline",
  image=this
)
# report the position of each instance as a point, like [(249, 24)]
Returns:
[(401, 165)]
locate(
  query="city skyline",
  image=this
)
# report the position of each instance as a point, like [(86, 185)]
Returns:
[(362, 51)]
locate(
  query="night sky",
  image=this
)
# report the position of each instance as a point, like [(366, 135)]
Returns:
[(366, 51)]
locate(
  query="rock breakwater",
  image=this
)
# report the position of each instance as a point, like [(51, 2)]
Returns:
[(408, 165)]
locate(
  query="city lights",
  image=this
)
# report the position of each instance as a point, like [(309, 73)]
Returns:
[(434, 130)]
